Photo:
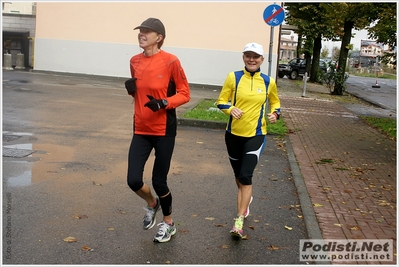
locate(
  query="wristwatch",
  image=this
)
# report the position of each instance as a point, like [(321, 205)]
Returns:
[(164, 102)]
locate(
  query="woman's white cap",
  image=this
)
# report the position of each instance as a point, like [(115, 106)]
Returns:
[(254, 47)]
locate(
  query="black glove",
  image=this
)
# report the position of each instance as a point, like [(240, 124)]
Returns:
[(130, 86), (154, 104)]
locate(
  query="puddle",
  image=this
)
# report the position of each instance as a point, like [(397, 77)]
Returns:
[(20, 173), (43, 161), (22, 180)]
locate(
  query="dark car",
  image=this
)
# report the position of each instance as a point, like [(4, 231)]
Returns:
[(297, 67)]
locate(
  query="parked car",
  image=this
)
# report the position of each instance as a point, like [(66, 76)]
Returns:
[(297, 67)]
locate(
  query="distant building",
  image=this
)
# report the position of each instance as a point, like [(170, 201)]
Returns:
[(19, 28), (368, 55), (288, 48)]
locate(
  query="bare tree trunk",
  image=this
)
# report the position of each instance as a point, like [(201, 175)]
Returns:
[(343, 55), (316, 59)]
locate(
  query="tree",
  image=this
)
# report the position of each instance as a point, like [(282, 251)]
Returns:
[(335, 53), (324, 52), (309, 18), (384, 30), (348, 16)]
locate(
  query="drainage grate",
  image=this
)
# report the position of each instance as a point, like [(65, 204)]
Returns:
[(16, 153)]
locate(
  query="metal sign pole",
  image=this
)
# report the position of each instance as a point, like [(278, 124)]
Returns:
[(271, 51)]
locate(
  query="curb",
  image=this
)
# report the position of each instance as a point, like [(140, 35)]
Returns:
[(201, 123), (309, 216)]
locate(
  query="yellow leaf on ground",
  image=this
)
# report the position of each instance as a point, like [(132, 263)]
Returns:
[(317, 205), (70, 239), (288, 228)]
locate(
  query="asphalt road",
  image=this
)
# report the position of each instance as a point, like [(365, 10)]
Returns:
[(65, 145), (377, 91)]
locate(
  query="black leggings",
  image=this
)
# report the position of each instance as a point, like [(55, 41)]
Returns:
[(244, 153), (140, 149)]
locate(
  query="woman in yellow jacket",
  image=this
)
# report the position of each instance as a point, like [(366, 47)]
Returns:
[(245, 96)]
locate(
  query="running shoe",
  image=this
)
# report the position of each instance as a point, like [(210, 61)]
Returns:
[(247, 211), (149, 219), (165, 232), (237, 229)]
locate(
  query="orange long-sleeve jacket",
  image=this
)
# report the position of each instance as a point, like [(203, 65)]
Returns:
[(162, 77)]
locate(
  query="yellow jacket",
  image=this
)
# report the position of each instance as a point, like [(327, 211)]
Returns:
[(249, 92)]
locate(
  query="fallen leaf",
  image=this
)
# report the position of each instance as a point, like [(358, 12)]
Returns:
[(220, 225), (272, 247), (338, 224), (194, 215), (70, 239), (183, 231), (111, 229), (317, 205), (245, 237), (355, 228), (86, 248), (256, 221), (299, 216), (199, 142), (385, 188), (209, 218), (225, 246), (251, 227), (287, 227), (95, 183), (167, 262), (80, 216)]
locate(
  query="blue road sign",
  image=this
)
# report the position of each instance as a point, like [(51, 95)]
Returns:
[(273, 15)]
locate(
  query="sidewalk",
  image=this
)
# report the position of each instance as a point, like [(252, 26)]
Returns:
[(348, 167)]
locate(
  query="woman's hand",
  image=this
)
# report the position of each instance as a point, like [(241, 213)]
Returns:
[(236, 113), (272, 118)]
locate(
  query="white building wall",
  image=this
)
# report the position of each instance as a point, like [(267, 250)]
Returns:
[(99, 39)]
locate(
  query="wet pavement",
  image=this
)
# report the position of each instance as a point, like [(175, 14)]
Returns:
[(332, 177), (71, 135)]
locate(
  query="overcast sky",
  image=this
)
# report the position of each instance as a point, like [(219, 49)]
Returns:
[(358, 36)]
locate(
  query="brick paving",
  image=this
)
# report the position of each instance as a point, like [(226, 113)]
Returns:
[(348, 167)]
